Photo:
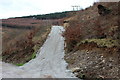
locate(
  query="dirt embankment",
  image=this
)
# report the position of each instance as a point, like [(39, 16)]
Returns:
[(92, 42)]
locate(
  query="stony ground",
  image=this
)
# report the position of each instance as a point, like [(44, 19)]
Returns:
[(94, 63)]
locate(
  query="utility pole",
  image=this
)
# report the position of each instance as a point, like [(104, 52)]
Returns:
[(73, 8), (76, 8)]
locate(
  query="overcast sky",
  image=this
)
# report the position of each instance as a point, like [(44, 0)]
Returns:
[(16, 8)]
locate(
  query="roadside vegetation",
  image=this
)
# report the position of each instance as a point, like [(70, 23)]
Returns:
[(22, 38)]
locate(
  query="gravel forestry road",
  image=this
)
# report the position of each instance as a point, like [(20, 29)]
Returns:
[(49, 62)]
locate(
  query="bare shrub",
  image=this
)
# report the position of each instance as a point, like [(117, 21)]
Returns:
[(72, 36)]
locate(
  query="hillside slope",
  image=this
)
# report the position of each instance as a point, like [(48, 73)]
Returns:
[(21, 38), (92, 42)]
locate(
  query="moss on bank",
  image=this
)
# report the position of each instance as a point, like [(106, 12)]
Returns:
[(101, 42)]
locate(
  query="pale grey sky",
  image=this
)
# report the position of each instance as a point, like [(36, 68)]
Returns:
[(16, 8)]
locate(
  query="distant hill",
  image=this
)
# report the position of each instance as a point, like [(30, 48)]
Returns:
[(57, 15)]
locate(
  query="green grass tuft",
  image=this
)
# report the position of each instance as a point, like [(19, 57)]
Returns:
[(102, 42), (21, 64), (33, 55)]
